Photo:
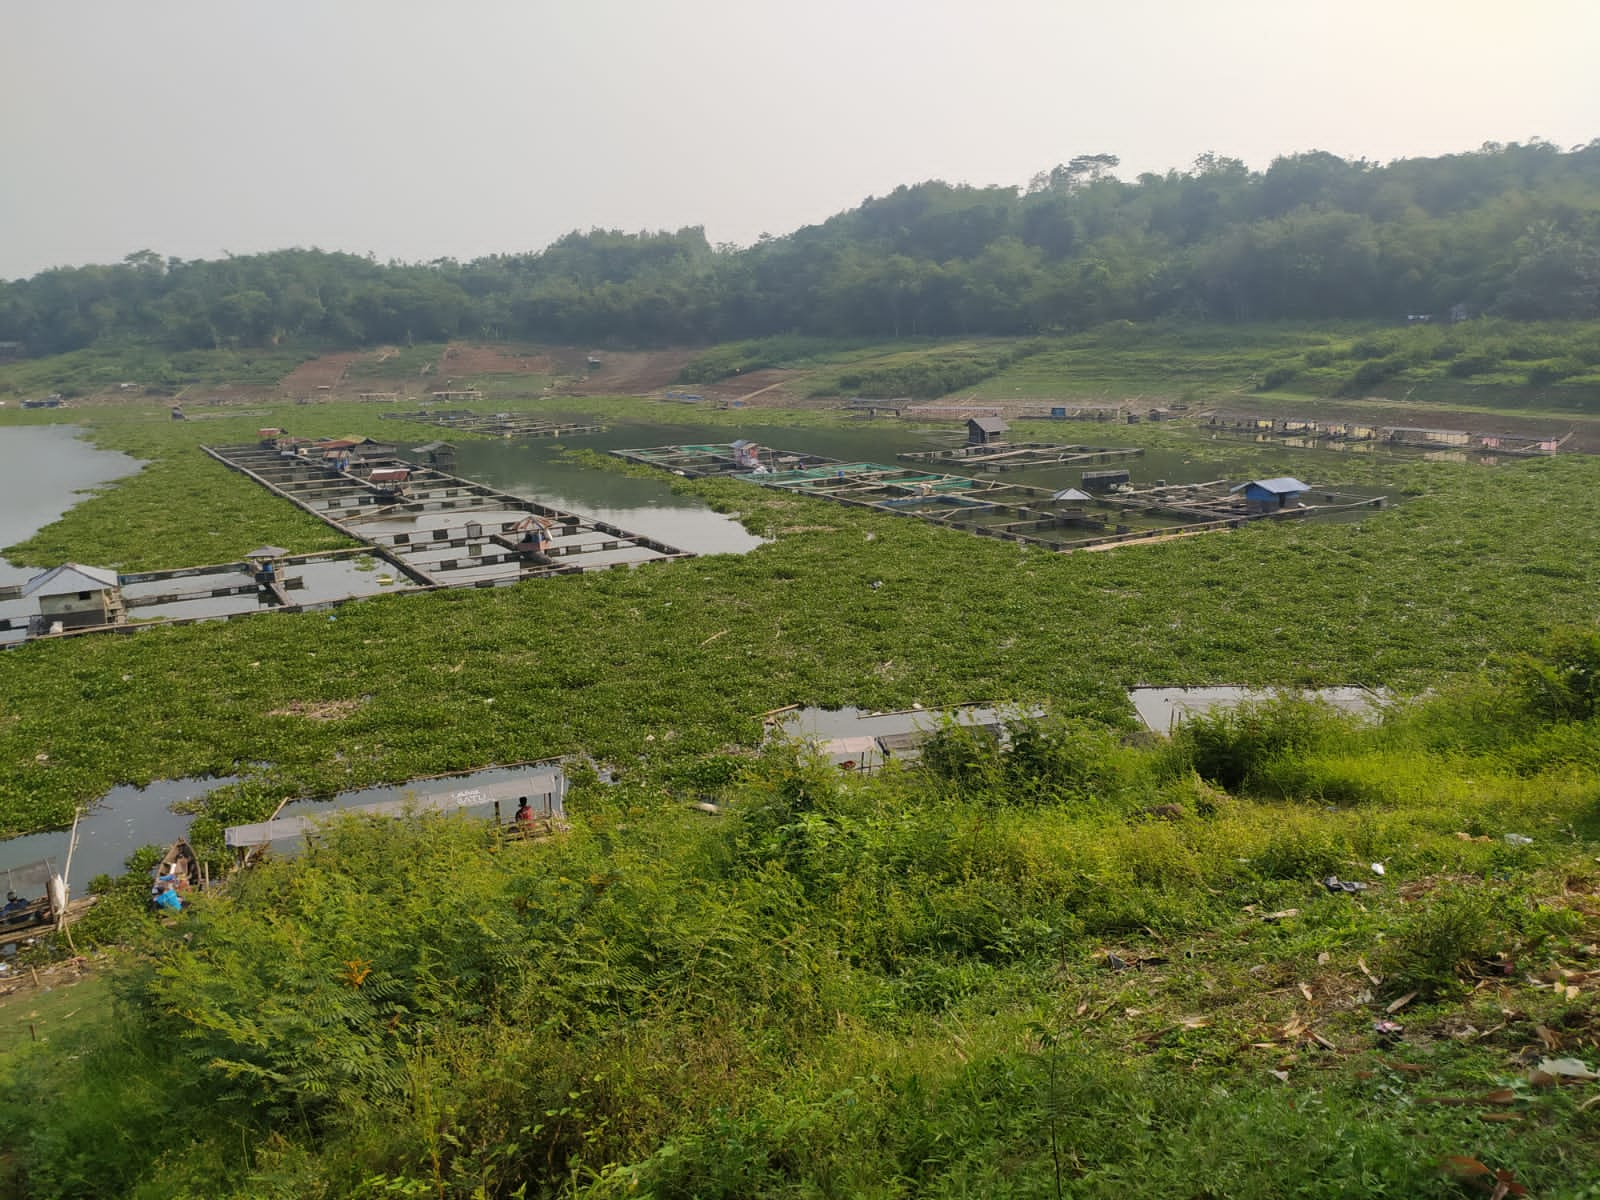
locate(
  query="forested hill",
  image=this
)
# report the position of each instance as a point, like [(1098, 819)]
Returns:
[(1512, 229)]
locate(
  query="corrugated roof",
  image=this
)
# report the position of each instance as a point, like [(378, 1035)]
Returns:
[(1071, 494), (1282, 485), (989, 424), (69, 578)]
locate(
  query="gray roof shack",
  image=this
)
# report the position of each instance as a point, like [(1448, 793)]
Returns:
[(75, 596), (985, 431)]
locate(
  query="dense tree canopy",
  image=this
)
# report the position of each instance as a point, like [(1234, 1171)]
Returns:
[(1508, 228)]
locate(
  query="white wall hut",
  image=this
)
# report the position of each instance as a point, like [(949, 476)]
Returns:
[(76, 597)]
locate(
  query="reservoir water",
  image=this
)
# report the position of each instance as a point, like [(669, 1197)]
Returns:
[(43, 470)]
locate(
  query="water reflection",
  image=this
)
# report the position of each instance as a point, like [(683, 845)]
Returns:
[(124, 819), (43, 471), (535, 470)]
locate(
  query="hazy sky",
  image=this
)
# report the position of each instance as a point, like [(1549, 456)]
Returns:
[(466, 127)]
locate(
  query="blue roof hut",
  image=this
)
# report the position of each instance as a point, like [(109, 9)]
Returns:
[(1266, 495)]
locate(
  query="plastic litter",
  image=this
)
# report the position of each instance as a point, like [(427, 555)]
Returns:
[(1516, 839), (1334, 884), (1389, 1031), (1377, 868)]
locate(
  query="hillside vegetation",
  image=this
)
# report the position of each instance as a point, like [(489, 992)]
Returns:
[(1512, 230)]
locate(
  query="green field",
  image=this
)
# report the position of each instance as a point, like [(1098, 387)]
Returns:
[(1480, 365), (1093, 962)]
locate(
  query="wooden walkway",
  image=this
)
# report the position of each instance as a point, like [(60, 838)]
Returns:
[(442, 530), (509, 425), (1019, 456), (1062, 521)]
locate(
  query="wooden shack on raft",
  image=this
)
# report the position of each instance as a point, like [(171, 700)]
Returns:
[(435, 454), (73, 596), (1265, 495), (986, 431)]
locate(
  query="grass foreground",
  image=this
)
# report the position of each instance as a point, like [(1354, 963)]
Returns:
[(1090, 962), (1073, 966)]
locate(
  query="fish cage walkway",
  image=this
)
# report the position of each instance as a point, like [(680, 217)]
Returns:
[(1065, 520), (442, 530)]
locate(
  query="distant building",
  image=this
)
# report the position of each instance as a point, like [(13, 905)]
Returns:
[(1104, 481), (73, 596), (1265, 495), (746, 454), (435, 454), (1416, 435), (986, 431)]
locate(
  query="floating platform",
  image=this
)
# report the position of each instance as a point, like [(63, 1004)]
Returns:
[(1018, 456), (508, 425), (1064, 520), (697, 461), (441, 530)]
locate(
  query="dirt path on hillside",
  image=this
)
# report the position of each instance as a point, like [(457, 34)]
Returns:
[(621, 372), (464, 360), (324, 373)]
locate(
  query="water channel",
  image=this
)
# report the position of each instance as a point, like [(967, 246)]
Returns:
[(128, 817), (43, 471)]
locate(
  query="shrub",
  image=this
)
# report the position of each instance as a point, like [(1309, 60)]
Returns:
[(1561, 682), (1231, 747), (1439, 935)]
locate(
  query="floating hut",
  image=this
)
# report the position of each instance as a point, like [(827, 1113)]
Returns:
[(986, 431), (264, 570), (1264, 495), (746, 455), (73, 596), (435, 454), (1104, 481), (389, 482)]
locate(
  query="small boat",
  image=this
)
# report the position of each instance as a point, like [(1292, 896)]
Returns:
[(21, 917), (175, 876)]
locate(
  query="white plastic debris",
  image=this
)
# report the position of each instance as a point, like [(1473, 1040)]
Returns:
[(1516, 839)]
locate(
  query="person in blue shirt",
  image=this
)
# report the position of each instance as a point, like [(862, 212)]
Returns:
[(167, 897)]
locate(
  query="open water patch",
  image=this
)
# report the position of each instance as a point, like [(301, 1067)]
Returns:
[(536, 471), (120, 822), (44, 470)]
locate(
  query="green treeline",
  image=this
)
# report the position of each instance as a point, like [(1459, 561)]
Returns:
[(1512, 230)]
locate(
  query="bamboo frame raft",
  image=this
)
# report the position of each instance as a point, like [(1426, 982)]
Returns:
[(1018, 456), (988, 507)]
